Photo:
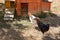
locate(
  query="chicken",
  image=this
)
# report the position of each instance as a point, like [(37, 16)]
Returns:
[(31, 17), (43, 27)]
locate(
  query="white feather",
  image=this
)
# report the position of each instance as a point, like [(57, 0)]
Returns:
[(32, 17)]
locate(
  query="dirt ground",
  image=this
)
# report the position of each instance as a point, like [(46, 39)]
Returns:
[(24, 30)]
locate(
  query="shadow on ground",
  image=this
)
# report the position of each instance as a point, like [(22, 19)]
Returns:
[(11, 34), (8, 33), (9, 25), (53, 20), (50, 37), (20, 26), (4, 24)]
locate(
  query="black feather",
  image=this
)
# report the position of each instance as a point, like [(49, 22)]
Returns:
[(43, 27)]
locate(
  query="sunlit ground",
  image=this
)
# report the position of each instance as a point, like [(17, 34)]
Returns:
[(24, 30)]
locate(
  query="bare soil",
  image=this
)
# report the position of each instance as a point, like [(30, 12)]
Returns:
[(24, 30)]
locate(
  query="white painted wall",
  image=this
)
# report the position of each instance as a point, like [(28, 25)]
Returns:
[(50, 0), (2, 1), (55, 7)]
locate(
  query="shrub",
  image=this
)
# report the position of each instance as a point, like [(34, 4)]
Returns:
[(1, 15), (2, 7), (41, 14), (52, 14)]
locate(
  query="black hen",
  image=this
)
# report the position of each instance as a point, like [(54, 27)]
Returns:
[(43, 27)]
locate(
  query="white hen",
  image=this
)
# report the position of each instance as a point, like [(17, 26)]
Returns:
[(32, 19)]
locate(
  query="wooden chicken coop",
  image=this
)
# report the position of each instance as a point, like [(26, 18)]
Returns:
[(23, 7)]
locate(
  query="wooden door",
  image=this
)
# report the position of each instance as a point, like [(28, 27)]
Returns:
[(24, 9)]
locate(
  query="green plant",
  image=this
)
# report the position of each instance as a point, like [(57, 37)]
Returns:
[(52, 14), (41, 15), (1, 14)]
